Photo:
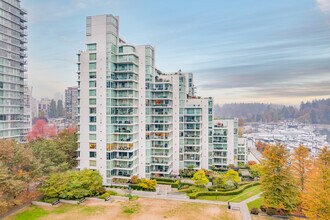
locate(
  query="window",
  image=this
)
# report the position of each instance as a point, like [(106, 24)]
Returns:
[(92, 84), (92, 110), (92, 163), (92, 137), (92, 128), (92, 92), (92, 146), (92, 154), (91, 47), (92, 118), (78, 66), (92, 101), (92, 66), (92, 56), (92, 75)]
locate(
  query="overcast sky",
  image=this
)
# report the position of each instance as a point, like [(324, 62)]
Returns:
[(239, 51)]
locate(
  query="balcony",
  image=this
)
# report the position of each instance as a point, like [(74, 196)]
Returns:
[(162, 146), (126, 123), (161, 162), (161, 154), (125, 166)]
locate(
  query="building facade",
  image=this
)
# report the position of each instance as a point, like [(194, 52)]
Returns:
[(71, 105), (12, 69), (134, 119), (44, 107)]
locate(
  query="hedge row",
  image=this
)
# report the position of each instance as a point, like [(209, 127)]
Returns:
[(137, 187), (229, 193), (164, 183), (216, 188), (164, 180)]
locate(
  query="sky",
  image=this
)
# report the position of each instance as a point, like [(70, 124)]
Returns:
[(239, 51)]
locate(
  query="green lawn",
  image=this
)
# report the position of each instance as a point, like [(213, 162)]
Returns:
[(35, 212), (255, 203), (31, 213), (254, 190)]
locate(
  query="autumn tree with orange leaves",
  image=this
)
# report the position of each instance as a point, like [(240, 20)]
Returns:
[(278, 186), (316, 195), (301, 162)]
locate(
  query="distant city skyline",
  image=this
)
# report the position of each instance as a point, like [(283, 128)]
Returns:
[(242, 51)]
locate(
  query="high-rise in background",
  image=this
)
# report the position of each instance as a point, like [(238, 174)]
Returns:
[(14, 93)]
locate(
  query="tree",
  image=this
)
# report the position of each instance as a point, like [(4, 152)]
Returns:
[(18, 159), (255, 171), (73, 184), (315, 198), (10, 186), (148, 184), (279, 187), (219, 180), (41, 129), (60, 109), (232, 177), (301, 162), (67, 142), (50, 157), (250, 163), (52, 109), (260, 146), (200, 178)]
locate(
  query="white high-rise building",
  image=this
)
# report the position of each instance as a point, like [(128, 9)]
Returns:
[(135, 120), (12, 69)]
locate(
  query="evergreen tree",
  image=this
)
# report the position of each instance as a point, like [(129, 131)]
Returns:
[(52, 109), (60, 109)]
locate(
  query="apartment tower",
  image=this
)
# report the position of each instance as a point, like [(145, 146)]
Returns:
[(12, 70), (133, 119)]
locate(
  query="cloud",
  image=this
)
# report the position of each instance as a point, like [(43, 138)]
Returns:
[(323, 5)]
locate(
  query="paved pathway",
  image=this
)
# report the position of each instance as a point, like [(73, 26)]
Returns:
[(244, 208)]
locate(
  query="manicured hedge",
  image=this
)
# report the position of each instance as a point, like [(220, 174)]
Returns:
[(164, 180), (137, 187), (228, 193), (164, 183)]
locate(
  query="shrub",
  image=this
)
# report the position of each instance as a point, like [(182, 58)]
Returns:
[(263, 208), (271, 211), (187, 172), (134, 179), (48, 200), (149, 185), (135, 187), (107, 194), (184, 185), (176, 184), (254, 211)]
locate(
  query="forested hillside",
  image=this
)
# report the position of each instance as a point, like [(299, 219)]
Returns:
[(315, 112)]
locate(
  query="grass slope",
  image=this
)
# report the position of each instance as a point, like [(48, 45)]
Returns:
[(254, 190), (255, 203)]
